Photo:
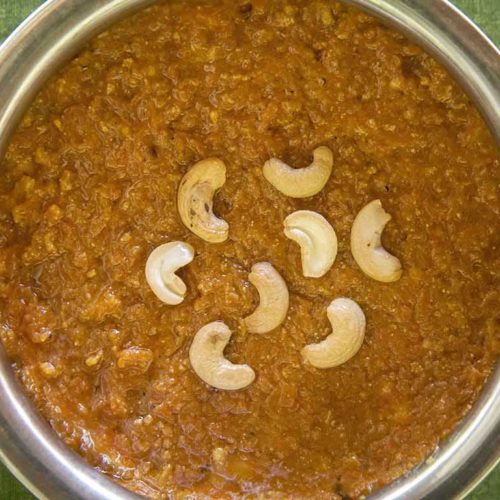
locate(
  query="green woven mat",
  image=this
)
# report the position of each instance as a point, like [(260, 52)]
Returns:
[(486, 13)]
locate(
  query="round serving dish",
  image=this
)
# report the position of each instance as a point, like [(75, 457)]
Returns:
[(53, 34)]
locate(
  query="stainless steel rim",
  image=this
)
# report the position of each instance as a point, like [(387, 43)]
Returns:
[(53, 34)]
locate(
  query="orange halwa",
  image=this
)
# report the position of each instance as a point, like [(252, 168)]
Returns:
[(88, 190)]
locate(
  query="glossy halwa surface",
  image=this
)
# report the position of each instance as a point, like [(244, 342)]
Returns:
[(88, 190)]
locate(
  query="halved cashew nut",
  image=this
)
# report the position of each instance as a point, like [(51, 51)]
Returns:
[(300, 182), (366, 245), (317, 241), (274, 299), (206, 355), (195, 200), (161, 266), (348, 331)]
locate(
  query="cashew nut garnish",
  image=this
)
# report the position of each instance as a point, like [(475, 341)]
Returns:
[(195, 200), (348, 331), (300, 182), (274, 298), (317, 241), (161, 266), (206, 355), (366, 244)]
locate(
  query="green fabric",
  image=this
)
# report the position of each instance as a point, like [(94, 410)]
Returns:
[(486, 13)]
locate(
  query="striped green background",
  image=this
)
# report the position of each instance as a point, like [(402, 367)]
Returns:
[(486, 13)]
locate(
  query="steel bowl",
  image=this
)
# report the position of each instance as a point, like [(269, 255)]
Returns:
[(52, 35)]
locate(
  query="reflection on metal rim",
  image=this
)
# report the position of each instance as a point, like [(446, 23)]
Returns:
[(52, 35)]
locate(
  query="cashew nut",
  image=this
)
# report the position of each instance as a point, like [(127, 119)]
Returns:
[(195, 200), (206, 355), (366, 244), (348, 331), (161, 266), (274, 298), (317, 241), (300, 182)]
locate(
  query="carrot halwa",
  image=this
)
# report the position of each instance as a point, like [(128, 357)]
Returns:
[(88, 190)]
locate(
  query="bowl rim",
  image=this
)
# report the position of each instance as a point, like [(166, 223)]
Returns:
[(51, 35)]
